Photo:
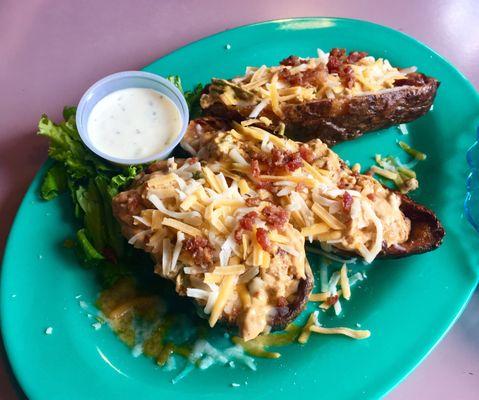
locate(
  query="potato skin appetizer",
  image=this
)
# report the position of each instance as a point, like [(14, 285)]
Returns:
[(335, 97), (417, 228), (235, 271)]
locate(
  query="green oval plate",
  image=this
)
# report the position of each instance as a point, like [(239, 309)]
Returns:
[(408, 304)]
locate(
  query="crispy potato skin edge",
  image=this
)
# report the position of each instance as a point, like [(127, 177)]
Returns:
[(337, 120)]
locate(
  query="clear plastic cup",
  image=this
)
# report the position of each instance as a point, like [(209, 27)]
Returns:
[(125, 80)]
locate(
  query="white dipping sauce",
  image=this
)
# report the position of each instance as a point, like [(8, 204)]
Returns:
[(133, 123)]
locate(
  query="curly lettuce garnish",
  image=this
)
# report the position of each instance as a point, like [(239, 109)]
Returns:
[(92, 183)]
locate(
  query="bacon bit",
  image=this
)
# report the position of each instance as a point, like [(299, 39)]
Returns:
[(276, 216), (332, 300), (110, 255), (284, 158), (247, 221), (238, 235), (252, 201), (263, 239), (338, 63), (346, 74), (192, 160), (371, 196), (255, 170), (282, 302), (293, 61), (266, 185), (281, 252), (200, 249), (347, 202), (276, 162), (355, 56), (245, 224), (306, 154), (309, 77), (412, 79), (294, 162), (336, 59), (129, 203)]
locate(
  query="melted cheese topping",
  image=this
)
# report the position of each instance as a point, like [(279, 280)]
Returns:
[(267, 88), (210, 208)]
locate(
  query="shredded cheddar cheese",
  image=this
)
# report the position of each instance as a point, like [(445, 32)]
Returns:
[(226, 288), (181, 226), (355, 334)]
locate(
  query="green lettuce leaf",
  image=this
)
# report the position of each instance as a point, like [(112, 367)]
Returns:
[(92, 183), (54, 182), (193, 100), (176, 80)]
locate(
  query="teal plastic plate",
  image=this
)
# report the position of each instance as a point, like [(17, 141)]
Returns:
[(408, 304)]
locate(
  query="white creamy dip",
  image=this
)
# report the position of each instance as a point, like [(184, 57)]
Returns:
[(133, 123)]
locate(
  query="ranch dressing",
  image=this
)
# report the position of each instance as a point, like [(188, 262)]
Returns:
[(133, 123)]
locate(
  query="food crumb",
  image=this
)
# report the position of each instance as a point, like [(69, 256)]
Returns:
[(235, 384), (77, 296), (40, 256), (13, 296), (49, 331), (137, 350), (228, 47), (83, 304), (403, 129), (96, 325), (358, 324)]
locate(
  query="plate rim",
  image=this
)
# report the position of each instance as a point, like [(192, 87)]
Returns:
[(23, 381)]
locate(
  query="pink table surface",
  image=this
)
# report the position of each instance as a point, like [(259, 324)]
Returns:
[(51, 51)]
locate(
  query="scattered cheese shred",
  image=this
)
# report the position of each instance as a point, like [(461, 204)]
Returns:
[(244, 295), (188, 202), (226, 288), (332, 221), (160, 180), (291, 178), (181, 226), (344, 281), (229, 270), (306, 332), (211, 179), (212, 278), (324, 237), (315, 229), (265, 259), (355, 334), (243, 187), (276, 237), (317, 173), (202, 195), (273, 92), (319, 296), (245, 243)]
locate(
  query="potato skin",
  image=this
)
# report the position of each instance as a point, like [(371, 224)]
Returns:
[(427, 232), (337, 120), (292, 310)]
